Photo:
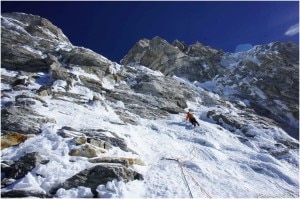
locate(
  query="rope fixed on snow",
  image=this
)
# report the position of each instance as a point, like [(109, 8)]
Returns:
[(185, 180), (197, 183), (184, 176)]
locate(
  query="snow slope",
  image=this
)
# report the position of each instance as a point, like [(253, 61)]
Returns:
[(180, 160)]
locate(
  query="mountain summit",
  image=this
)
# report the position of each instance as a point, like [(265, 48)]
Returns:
[(75, 124)]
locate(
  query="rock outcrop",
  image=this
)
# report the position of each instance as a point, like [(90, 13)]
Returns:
[(12, 139), (21, 167), (26, 40), (99, 174), (194, 62), (22, 119)]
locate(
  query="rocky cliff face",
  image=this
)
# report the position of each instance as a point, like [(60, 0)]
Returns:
[(195, 62), (265, 77), (68, 109), (26, 39), (38, 62)]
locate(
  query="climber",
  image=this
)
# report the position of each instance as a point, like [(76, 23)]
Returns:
[(191, 118)]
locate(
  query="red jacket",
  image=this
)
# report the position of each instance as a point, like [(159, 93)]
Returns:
[(189, 116)]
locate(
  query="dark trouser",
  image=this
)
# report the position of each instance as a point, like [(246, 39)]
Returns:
[(194, 122)]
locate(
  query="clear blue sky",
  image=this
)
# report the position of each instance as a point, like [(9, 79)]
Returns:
[(112, 28)]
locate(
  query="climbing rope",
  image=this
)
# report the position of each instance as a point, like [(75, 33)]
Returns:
[(197, 183), (184, 176), (185, 180)]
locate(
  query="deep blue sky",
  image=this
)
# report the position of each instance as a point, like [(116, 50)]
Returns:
[(112, 28)]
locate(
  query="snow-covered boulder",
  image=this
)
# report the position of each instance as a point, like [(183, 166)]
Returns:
[(99, 174), (24, 165)]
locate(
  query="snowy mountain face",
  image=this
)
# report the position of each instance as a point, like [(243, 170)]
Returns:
[(265, 78), (75, 124)]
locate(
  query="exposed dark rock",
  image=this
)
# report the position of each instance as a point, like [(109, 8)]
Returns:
[(8, 79), (96, 141), (156, 54), (33, 25), (24, 194), (242, 139), (26, 43), (141, 105), (180, 45), (29, 99), (77, 98), (154, 96), (289, 143), (22, 81), (22, 166), (92, 84), (173, 93), (199, 50), (84, 57), (190, 62), (247, 134), (136, 52), (79, 140), (100, 174), (15, 57), (126, 117), (44, 91), (6, 182), (221, 119), (106, 141), (22, 120), (279, 152)]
